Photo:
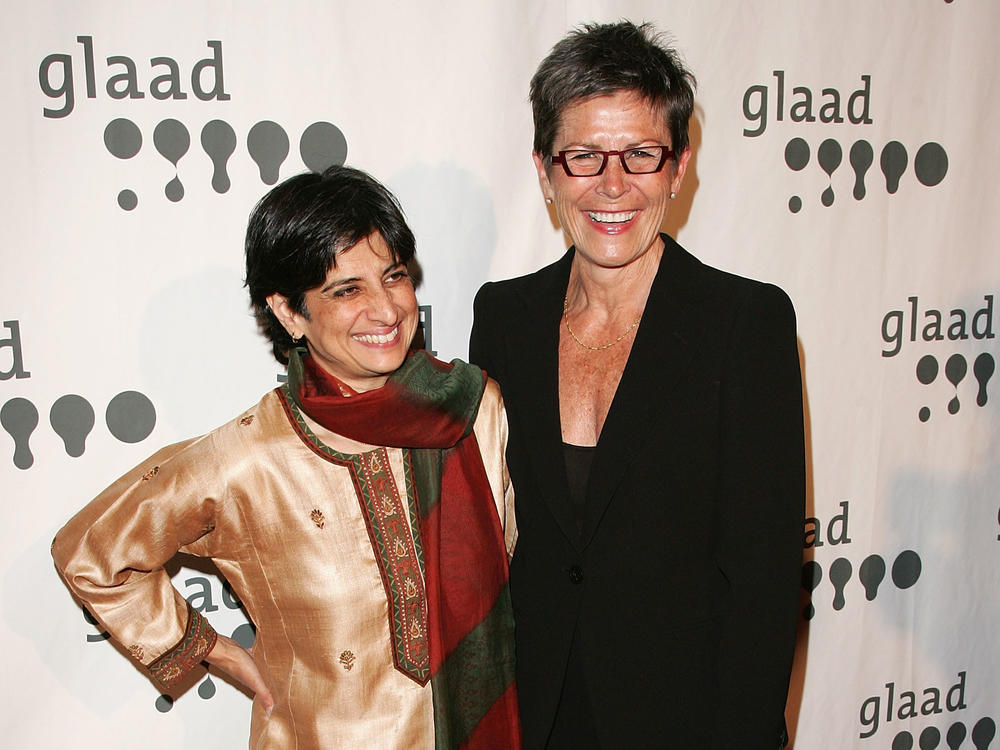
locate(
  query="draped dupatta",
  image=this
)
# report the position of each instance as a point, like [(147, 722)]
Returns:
[(428, 409)]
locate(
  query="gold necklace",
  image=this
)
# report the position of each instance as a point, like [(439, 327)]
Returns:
[(588, 346)]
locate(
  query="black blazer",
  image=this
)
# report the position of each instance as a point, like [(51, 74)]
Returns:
[(683, 584)]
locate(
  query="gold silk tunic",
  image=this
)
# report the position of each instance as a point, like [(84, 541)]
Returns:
[(318, 545)]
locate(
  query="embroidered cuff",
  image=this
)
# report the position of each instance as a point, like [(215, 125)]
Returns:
[(199, 638)]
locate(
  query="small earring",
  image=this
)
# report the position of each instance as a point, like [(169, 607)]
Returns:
[(548, 201), (672, 195), (297, 339)]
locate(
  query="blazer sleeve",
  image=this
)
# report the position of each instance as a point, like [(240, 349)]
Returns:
[(485, 341), (762, 491), (111, 555)]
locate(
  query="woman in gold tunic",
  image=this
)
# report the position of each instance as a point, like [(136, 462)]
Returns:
[(362, 512)]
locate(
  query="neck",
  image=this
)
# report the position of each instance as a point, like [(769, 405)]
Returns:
[(609, 292)]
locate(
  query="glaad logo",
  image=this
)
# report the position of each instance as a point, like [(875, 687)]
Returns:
[(13, 342), (321, 144), (424, 329), (908, 706), (124, 81), (201, 598), (130, 416), (930, 163), (905, 570), (962, 325), (755, 107)]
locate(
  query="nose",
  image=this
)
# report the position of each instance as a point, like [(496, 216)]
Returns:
[(614, 179), (382, 309)]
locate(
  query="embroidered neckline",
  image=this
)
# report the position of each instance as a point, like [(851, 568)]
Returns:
[(395, 540)]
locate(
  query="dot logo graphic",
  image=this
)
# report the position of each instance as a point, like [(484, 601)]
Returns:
[(321, 145), (904, 574), (130, 417), (201, 598), (243, 635), (930, 165), (982, 735), (955, 369), (815, 107)]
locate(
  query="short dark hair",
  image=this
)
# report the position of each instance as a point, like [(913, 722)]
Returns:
[(296, 231), (604, 59)]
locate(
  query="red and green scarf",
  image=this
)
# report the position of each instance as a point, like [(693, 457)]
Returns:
[(428, 408)]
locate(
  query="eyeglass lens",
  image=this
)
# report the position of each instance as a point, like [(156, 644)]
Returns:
[(581, 163)]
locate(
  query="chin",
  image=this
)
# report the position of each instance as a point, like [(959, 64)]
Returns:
[(623, 253), (614, 258), (389, 364)]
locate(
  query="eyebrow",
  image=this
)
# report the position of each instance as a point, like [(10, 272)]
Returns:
[(594, 147), (355, 279)]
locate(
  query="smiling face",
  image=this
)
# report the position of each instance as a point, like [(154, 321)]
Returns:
[(360, 321), (613, 218)]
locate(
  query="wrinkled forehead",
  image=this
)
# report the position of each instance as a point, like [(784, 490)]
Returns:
[(600, 111)]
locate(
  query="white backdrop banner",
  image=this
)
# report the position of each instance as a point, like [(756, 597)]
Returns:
[(845, 151)]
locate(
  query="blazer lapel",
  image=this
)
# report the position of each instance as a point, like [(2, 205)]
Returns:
[(537, 332), (660, 357)]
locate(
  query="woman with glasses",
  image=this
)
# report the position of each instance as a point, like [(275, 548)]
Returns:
[(361, 512), (656, 434)]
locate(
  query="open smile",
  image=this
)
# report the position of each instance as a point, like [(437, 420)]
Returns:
[(375, 338), (612, 217)]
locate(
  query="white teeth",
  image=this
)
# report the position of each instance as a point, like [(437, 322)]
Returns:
[(607, 217), (385, 338)]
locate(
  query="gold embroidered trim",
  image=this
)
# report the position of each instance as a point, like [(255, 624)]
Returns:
[(382, 510), (199, 638), (394, 544)]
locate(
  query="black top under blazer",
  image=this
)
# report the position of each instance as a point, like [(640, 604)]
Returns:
[(683, 585)]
